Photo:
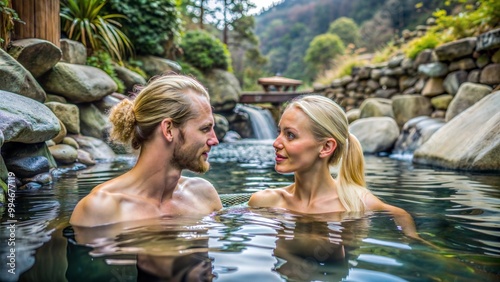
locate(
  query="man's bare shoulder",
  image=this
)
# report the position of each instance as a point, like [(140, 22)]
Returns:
[(99, 207), (203, 189), (266, 198)]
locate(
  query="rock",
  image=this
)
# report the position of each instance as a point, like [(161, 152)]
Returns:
[(463, 64), (130, 78), (60, 136), (470, 141), (490, 74), (55, 98), (36, 55), (221, 126), (64, 154), (72, 142), (73, 52), (376, 107), (224, 90), (433, 87), (84, 157), (30, 186), (453, 81), (156, 66), (78, 83), (105, 104), (14, 150), (468, 94), (28, 166), (376, 134), (415, 132), (353, 115), (424, 57), (92, 122), (41, 178), (488, 40), (437, 69), (456, 49), (406, 107), (15, 78), (441, 102), (96, 147), (26, 120), (68, 114)]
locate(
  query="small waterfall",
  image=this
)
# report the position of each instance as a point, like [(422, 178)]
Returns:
[(262, 122)]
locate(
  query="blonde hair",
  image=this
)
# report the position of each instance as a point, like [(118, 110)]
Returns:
[(164, 97), (328, 120)]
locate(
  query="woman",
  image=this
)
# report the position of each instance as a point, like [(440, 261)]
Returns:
[(313, 136)]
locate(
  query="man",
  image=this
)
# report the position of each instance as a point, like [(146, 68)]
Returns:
[(172, 124)]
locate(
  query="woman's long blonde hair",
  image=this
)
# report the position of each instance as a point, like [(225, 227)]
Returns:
[(328, 120)]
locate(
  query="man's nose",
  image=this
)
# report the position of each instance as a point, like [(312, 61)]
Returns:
[(212, 140)]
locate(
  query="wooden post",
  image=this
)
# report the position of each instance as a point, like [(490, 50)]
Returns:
[(42, 20)]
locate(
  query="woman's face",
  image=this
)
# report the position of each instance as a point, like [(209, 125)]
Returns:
[(296, 148)]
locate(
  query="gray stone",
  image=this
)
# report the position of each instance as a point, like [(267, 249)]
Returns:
[(96, 147), (64, 154), (93, 122), (453, 81), (68, 114), (488, 40), (224, 90), (130, 78), (376, 134), (468, 94), (490, 74), (416, 132), (424, 57), (73, 52), (78, 83), (463, 64), (433, 87), (456, 49), (16, 79), (441, 102), (26, 120), (437, 69), (406, 107), (36, 55), (28, 166), (156, 66), (376, 107)]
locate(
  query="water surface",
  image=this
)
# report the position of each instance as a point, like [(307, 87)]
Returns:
[(457, 213)]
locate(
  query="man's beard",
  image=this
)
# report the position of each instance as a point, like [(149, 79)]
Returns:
[(186, 158)]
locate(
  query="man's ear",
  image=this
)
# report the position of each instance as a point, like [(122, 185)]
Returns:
[(328, 148), (166, 126)]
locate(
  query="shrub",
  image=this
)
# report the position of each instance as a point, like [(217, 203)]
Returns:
[(85, 21), (204, 51), (323, 49), (428, 41), (346, 29), (154, 25)]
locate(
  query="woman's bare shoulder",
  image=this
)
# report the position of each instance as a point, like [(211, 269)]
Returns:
[(266, 198)]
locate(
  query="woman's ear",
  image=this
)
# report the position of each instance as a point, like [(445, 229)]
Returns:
[(328, 148), (166, 129)]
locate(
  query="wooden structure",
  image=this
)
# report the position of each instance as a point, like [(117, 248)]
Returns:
[(42, 20), (279, 84), (276, 91)]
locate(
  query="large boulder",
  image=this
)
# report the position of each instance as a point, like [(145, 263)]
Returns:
[(376, 134), (415, 133), (470, 141), (16, 79), (96, 147), (26, 120), (224, 90), (68, 114), (157, 66), (78, 83), (130, 78), (93, 122), (37, 55)]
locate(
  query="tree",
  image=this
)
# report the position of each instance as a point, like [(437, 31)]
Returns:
[(322, 50), (346, 29)]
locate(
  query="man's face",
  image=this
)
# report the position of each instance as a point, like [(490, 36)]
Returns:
[(196, 137)]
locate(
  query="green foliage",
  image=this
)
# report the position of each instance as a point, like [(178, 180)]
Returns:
[(102, 60), (7, 18), (204, 51), (85, 21), (323, 49), (385, 53), (428, 41), (154, 25), (473, 20), (346, 29)]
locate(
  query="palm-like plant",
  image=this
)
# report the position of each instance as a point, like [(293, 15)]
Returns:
[(82, 21)]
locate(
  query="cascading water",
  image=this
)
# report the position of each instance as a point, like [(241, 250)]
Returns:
[(261, 120)]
